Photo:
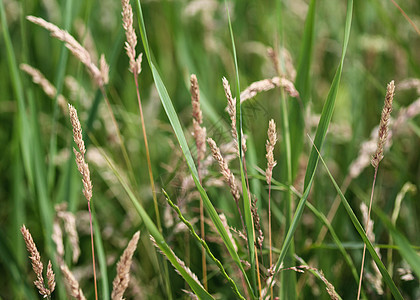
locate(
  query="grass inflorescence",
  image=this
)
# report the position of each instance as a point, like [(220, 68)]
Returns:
[(235, 137)]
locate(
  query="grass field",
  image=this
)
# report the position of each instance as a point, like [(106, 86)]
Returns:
[(213, 221)]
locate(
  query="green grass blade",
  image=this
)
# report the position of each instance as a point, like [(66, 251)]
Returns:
[(336, 239), (404, 247), (302, 84), (29, 139), (206, 247), (197, 288), (176, 126), (249, 223), (387, 278), (25, 136), (328, 108), (319, 139)]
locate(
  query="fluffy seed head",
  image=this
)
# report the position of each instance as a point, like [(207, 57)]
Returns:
[(271, 142), (383, 126), (224, 169), (122, 278), (100, 76)]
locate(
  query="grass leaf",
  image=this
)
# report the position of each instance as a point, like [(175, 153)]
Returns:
[(176, 126)]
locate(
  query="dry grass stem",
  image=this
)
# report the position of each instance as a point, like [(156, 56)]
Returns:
[(84, 171), (37, 265), (72, 285), (224, 169), (100, 75), (271, 163), (231, 108), (122, 278), (377, 157), (130, 33), (200, 142), (383, 126), (49, 89), (269, 84)]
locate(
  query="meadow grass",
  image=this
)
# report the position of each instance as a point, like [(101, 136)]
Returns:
[(218, 201)]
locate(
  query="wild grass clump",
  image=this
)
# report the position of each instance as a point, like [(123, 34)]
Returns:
[(254, 193)]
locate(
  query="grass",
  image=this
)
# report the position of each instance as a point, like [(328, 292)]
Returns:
[(343, 53)]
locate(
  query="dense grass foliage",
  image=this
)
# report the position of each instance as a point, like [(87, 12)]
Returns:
[(339, 55)]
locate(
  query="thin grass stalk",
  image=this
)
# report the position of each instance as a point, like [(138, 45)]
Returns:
[(390, 283), (173, 118), (376, 159), (149, 164), (271, 163), (84, 171), (152, 182), (288, 279), (199, 137), (135, 67), (246, 196)]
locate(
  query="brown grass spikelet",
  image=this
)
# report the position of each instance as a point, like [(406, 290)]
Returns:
[(383, 126), (47, 87), (37, 265), (72, 285), (122, 278), (80, 156), (50, 277), (268, 84), (256, 218), (231, 108), (100, 76), (199, 132), (271, 142), (130, 33), (224, 169)]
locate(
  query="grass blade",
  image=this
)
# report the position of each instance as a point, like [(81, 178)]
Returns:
[(206, 247), (388, 280), (328, 108), (303, 85), (176, 126), (197, 288), (404, 247), (319, 139), (249, 223)]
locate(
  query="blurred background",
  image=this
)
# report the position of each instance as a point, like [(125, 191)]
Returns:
[(39, 172)]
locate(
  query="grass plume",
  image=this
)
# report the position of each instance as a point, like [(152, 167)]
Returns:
[(37, 265), (122, 278), (376, 159), (84, 171)]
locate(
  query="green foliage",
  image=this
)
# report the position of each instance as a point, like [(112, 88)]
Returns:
[(341, 79)]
